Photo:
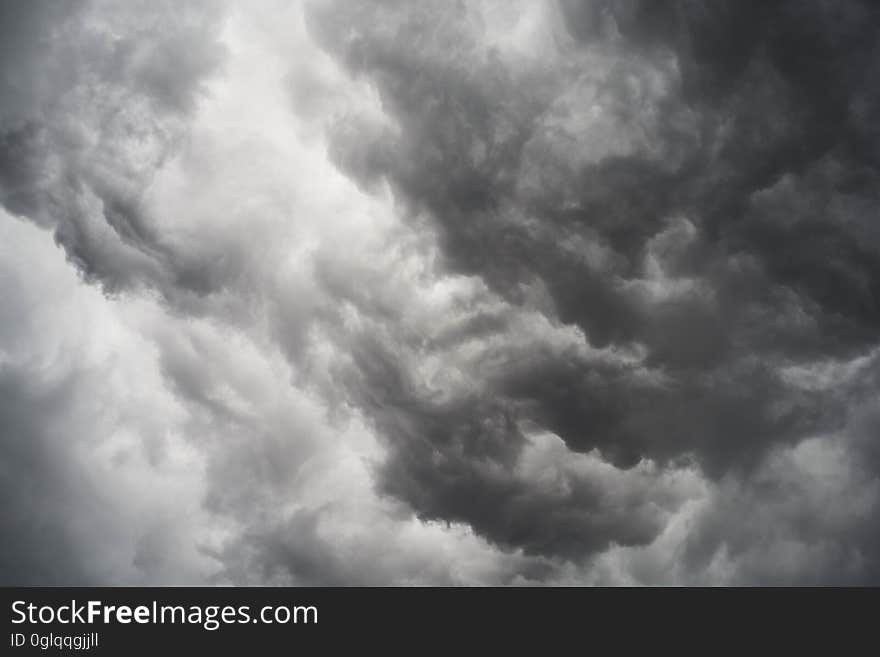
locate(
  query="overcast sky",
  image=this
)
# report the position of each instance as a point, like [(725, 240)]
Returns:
[(438, 292)]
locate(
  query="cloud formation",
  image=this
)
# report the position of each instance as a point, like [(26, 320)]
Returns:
[(477, 292)]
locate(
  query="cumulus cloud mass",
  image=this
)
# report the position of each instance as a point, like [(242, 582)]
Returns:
[(440, 292)]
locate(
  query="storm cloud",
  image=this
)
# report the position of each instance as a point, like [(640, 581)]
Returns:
[(440, 292)]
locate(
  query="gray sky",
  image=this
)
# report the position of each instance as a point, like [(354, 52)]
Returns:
[(484, 292)]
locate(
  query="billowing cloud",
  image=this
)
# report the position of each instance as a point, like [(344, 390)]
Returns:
[(478, 292), (677, 183)]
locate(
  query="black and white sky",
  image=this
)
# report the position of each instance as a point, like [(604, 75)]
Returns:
[(440, 292)]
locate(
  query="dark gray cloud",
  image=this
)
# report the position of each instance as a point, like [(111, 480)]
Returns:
[(94, 100), (474, 292), (696, 181)]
